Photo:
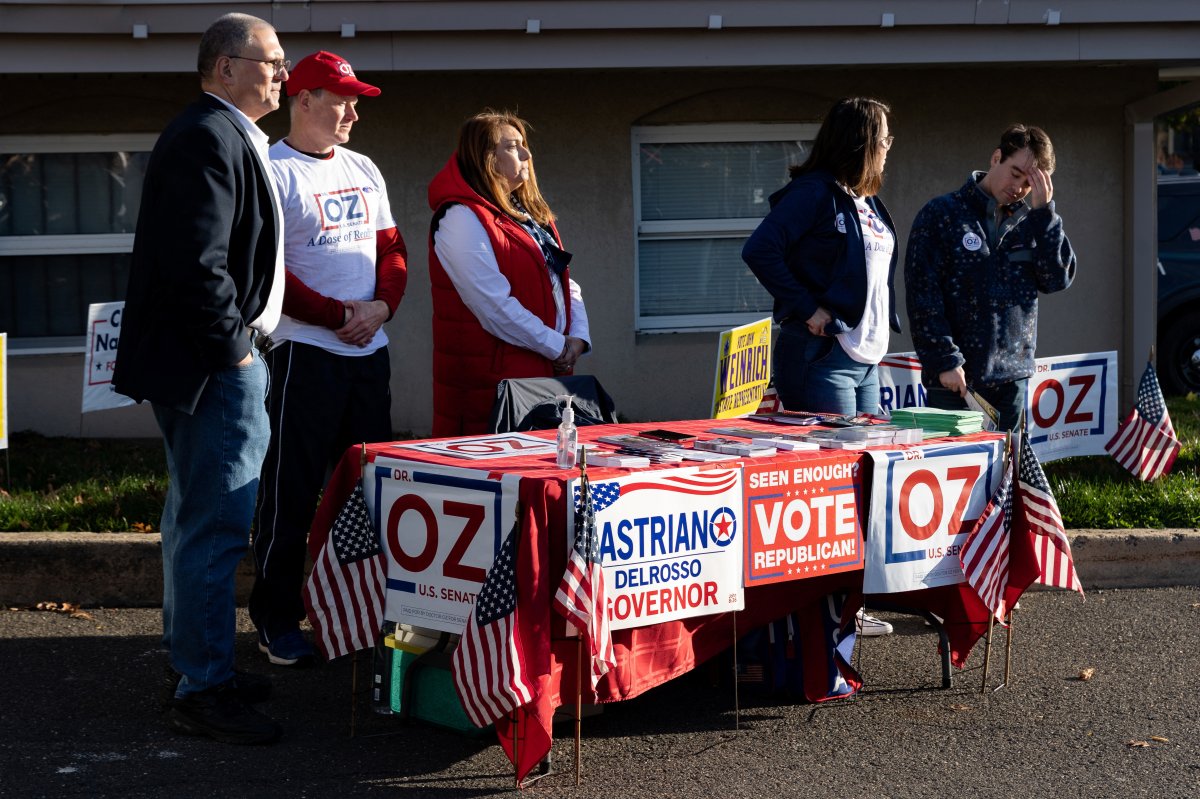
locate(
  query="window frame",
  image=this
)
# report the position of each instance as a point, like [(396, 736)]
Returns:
[(72, 244), (726, 228)]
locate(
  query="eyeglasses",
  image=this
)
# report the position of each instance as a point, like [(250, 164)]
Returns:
[(279, 65), (886, 142)]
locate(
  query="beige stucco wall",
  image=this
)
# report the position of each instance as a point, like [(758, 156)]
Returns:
[(945, 121)]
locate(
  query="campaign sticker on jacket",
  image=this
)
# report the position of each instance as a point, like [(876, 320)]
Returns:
[(971, 241), (440, 528), (924, 501), (802, 518), (670, 544)]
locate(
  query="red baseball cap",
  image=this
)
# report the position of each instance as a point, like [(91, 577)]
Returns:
[(324, 70)]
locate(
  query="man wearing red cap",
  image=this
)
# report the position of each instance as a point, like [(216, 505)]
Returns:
[(330, 369)]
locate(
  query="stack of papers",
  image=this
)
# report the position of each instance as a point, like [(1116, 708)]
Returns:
[(729, 447), (787, 444), (938, 422)]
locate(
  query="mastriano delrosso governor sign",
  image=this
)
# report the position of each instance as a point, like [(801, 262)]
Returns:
[(670, 544)]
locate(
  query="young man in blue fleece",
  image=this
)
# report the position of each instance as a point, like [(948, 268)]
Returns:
[(977, 259)]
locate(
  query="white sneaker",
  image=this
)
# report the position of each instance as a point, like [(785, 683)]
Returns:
[(870, 626)]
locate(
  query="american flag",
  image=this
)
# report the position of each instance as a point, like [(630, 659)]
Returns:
[(984, 556), (1146, 443), (488, 663), (770, 400), (581, 596), (603, 495), (1040, 516), (345, 591)]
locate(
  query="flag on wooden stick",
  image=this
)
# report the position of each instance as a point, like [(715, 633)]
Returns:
[(581, 597), (345, 592), (1039, 515), (984, 556), (487, 665), (1146, 443)]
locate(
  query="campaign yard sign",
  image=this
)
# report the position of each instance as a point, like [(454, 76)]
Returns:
[(103, 332), (802, 519), (924, 501), (441, 528), (900, 382), (1070, 407), (743, 369), (670, 543)]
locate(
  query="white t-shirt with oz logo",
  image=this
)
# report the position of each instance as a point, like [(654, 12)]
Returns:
[(331, 208)]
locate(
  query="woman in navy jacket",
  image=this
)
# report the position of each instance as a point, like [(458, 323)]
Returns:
[(827, 253)]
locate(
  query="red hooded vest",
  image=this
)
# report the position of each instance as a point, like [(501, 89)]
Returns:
[(468, 361)]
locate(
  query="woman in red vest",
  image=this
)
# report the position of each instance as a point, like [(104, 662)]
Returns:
[(504, 305)]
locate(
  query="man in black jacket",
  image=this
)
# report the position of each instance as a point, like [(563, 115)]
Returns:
[(205, 287)]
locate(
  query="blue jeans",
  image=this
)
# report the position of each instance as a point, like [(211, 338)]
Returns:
[(213, 459), (814, 373), (1007, 398)]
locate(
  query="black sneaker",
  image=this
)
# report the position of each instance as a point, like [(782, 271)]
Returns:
[(219, 713), (289, 649), (251, 688)]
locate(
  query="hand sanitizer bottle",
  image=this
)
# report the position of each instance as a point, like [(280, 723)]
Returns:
[(568, 437)]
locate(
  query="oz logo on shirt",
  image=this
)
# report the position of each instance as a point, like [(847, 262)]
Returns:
[(343, 208), (971, 241)]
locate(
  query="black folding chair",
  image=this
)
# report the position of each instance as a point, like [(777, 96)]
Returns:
[(529, 403)]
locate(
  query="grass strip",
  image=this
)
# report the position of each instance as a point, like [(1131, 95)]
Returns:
[(118, 485)]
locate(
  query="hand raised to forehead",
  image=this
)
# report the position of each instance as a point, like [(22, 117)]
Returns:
[(1041, 187)]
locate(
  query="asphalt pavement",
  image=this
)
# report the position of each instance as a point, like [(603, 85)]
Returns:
[(79, 717)]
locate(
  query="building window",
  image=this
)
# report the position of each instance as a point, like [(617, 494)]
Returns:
[(68, 209), (699, 190)]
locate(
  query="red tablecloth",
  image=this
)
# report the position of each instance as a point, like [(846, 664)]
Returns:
[(651, 655)]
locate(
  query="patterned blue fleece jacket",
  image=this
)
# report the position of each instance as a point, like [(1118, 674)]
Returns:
[(972, 274)]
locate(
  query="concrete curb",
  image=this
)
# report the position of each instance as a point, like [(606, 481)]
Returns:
[(91, 569), (125, 569)]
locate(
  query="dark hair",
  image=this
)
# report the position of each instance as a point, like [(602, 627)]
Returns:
[(1019, 136), (477, 140), (226, 36), (847, 145)]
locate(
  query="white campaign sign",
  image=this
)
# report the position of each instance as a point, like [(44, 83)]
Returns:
[(1070, 407), (440, 527), (489, 447), (669, 544), (103, 331), (924, 501)]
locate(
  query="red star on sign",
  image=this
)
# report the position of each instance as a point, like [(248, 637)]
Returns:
[(723, 526)]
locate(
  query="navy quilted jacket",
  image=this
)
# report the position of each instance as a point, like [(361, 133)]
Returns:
[(806, 256), (972, 287)]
